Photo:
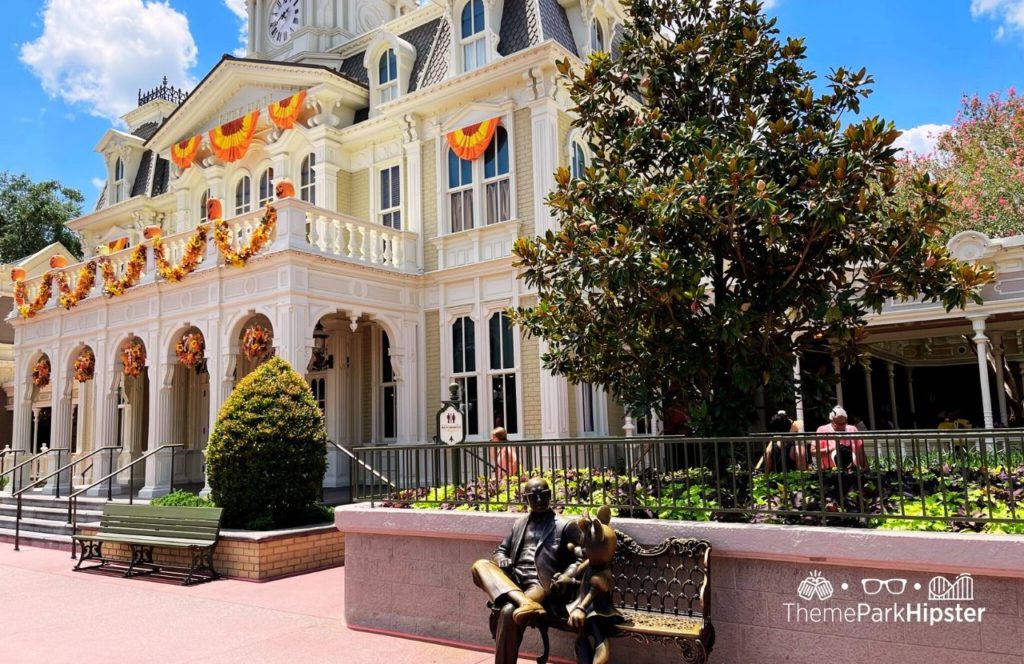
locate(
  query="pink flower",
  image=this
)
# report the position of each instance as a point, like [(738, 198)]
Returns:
[(1002, 201)]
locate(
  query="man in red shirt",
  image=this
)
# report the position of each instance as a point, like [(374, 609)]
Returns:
[(842, 453)]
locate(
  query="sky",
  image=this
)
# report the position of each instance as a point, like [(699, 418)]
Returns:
[(70, 68)]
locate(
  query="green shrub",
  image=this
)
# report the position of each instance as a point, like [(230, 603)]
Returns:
[(182, 499), (266, 459), (3, 483)]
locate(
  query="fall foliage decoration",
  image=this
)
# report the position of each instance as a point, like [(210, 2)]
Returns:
[(284, 189), (190, 349), (41, 372), (133, 358), (183, 154), (259, 238), (114, 285), (256, 341), (469, 143), (231, 140), (58, 262), (27, 309), (285, 113), (86, 279), (193, 255), (85, 366)]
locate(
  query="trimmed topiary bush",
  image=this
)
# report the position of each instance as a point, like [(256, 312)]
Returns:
[(267, 455)]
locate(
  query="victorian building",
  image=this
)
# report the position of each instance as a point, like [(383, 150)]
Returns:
[(410, 147)]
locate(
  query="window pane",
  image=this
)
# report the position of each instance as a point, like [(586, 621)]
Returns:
[(472, 399), (501, 138), (492, 203), (458, 349), (511, 407), (494, 340), (467, 210), (478, 15), (456, 213), (385, 189), (390, 412), (396, 187), (467, 20), (587, 406), (387, 372), (504, 200), (467, 171), (469, 335), (507, 348), (503, 393)]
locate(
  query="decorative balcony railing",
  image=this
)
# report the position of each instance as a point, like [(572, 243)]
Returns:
[(300, 227)]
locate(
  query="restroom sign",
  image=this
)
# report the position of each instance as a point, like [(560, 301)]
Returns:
[(451, 425)]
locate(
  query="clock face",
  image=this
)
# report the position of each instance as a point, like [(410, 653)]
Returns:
[(284, 19)]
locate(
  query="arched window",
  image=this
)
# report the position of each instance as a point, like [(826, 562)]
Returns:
[(502, 370), (391, 197), (460, 191), (243, 195), (497, 183), (120, 183), (596, 36), (389, 390), (307, 179), (464, 370), (387, 77), (578, 163), (204, 216), (266, 187), (473, 37)]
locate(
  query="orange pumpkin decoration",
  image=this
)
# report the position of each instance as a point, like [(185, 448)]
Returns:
[(152, 232), (57, 261), (214, 209), (17, 274), (284, 189)]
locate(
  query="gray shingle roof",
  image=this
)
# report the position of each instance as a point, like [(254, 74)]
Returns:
[(555, 24), (422, 38), (436, 67), (101, 202), (161, 176), (617, 41), (520, 26), (352, 67), (146, 131), (141, 184)]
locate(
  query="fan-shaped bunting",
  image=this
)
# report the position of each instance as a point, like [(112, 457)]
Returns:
[(286, 112), (470, 142), (184, 153), (231, 140)]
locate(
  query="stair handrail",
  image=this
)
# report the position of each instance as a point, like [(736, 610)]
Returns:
[(23, 463), (352, 456), (73, 498), (18, 494)]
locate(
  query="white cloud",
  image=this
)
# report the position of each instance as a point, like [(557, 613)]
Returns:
[(99, 53), (1009, 13), (237, 7), (769, 4), (921, 139), (99, 183)]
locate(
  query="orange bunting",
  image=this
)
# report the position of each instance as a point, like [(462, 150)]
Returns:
[(469, 143), (117, 245), (286, 112), (231, 140), (183, 154)]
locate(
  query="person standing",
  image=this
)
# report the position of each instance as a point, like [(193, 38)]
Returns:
[(842, 453)]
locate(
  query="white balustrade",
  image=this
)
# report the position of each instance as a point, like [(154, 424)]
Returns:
[(350, 238)]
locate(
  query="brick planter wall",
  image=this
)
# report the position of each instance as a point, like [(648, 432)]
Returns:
[(409, 571), (259, 556)]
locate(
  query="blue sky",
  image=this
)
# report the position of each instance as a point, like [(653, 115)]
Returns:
[(69, 66)]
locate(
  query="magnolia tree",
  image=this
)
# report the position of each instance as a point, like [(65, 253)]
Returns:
[(981, 157), (729, 217)]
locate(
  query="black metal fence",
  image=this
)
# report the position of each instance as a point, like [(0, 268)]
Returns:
[(917, 480)]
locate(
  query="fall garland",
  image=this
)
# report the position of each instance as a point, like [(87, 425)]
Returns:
[(41, 372), (86, 279), (194, 251), (190, 349), (29, 309), (256, 341), (133, 358), (112, 285), (257, 241), (85, 366)]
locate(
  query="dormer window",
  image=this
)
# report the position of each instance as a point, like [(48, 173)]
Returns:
[(473, 36), (307, 179), (120, 183), (387, 77), (596, 36), (243, 195)]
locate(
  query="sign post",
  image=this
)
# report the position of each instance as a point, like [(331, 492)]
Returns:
[(451, 430)]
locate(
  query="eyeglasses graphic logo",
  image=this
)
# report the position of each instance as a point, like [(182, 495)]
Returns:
[(874, 586), (815, 586), (961, 589)]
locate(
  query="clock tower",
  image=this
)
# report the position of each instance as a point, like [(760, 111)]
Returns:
[(306, 30)]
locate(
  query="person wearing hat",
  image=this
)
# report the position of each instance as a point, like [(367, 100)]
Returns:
[(843, 453)]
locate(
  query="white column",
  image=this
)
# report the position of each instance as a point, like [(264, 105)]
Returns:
[(981, 344), (413, 208), (869, 391), (798, 387), (554, 390), (250, 6), (106, 414), (161, 416), (404, 360), (997, 359), (60, 425), (21, 431), (891, 371), (910, 393), (837, 369)]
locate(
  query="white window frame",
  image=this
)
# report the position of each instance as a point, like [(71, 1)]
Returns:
[(383, 387), (473, 47), (120, 181), (597, 35), (307, 178), (242, 186), (265, 196), (392, 216), (577, 149), (388, 89), (479, 186), (461, 190), (204, 198), (490, 374), (463, 376), (494, 183), (598, 410)]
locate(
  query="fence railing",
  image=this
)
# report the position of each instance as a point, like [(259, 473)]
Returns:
[(935, 480)]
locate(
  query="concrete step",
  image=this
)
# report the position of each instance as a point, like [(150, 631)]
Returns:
[(55, 513), (37, 525), (39, 540)]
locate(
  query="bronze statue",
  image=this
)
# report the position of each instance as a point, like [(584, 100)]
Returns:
[(531, 571), (593, 613)]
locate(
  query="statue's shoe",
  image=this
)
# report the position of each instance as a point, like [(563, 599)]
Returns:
[(527, 613)]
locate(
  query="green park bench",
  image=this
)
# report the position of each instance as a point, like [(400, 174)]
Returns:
[(143, 527)]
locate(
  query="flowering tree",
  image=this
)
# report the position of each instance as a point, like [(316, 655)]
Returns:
[(729, 218), (982, 158)]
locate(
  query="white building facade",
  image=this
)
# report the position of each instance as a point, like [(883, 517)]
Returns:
[(420, 142)]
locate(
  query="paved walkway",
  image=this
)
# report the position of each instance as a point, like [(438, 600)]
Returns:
[(48, 613)]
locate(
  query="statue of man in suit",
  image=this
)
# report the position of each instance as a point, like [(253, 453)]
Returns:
[(530, 569)]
